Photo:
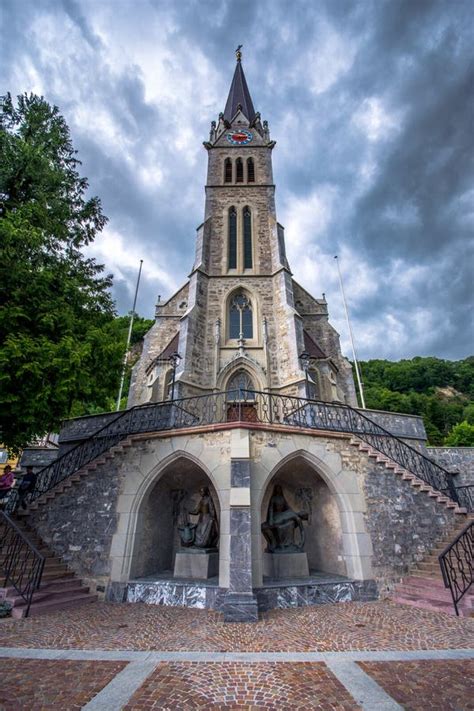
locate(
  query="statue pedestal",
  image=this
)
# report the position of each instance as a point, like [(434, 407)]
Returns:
[(285, 565), (197, 564)]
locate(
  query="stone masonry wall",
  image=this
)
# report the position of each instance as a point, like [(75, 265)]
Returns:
[(403, 523), (455, 459), (78, 524)]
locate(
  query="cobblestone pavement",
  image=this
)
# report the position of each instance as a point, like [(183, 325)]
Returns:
[(345, 626), (217, 686), (43, 684), (417, 686), (105, 657)]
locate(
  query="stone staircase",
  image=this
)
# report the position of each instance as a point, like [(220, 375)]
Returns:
[(424, 587), (72, 479), (60, 587), (406, 475)]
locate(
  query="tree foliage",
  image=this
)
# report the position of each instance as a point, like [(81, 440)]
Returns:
[(441, 391), (56, 303), (462, 435)]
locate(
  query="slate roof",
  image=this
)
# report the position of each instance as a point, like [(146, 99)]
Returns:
[(171, 348), (311, 347), (239, 94)]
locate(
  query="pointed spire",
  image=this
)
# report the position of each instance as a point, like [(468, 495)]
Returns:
[(239, 95)]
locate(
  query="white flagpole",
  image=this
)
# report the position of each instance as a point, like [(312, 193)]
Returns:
[(356, 364), (124, 365)]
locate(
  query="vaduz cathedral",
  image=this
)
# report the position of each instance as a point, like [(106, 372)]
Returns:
[(241, 319), (242, 476)]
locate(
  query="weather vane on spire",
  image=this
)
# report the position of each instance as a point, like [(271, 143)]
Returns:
[(238, 53)]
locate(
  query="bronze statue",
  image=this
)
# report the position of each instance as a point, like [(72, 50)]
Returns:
[(281, 524), (204, 533)]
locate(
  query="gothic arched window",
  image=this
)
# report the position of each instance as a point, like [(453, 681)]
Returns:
[(239, 382), (240, 317), (247, 238), (227, 170), (232, 238), (239, 171), (250, 171)]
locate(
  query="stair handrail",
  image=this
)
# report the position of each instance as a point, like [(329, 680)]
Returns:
[(212, 408), (23, 564), (14, 496), (457, 564)]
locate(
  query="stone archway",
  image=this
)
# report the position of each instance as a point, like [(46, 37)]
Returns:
[(156, 539), (306, 490)]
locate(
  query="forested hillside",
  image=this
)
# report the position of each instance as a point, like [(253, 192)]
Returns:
[(441, 391)]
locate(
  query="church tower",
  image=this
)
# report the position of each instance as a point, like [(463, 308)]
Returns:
[(241, 320)]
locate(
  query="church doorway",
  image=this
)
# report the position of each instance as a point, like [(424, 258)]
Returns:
[(301, 520), (241, 398), (179, 512)]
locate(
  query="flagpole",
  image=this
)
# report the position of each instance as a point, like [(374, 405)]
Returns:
[(356, 364), (124, 365)]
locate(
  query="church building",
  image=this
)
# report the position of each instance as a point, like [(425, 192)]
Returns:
[(242, 476)]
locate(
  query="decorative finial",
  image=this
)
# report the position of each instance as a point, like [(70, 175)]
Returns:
[(238, 53)]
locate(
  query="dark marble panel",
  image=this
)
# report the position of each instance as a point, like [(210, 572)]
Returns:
[(116, 592), (240, 607), (315, 594), (175, 595), (240, 472)]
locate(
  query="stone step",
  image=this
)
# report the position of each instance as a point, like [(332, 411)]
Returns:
[(43, 607), (49, 594), (414, 601), (46, 585), (423, 592)]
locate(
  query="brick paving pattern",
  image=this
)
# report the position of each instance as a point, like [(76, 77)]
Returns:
[(47, 685), (342, 627), (194, 685), (447, 685)]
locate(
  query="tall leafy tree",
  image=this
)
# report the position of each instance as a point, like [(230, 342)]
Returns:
[(55, 304)]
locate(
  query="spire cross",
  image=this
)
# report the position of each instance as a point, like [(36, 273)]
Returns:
[(238, 53)]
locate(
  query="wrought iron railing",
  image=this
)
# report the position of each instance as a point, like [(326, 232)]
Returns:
[(246, 406), (456, 562), (465, 495), (21, 563)]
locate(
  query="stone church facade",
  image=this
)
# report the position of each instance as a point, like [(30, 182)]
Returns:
[(243, 476), (241, 317)]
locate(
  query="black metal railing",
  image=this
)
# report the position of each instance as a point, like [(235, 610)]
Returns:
[(465, 495), (456, 562), (21, 563), (246, 406)]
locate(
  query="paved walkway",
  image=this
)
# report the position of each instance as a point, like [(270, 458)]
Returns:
[(373, 656)]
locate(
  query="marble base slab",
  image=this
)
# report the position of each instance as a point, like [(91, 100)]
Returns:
[(197, 566), (285, 565)]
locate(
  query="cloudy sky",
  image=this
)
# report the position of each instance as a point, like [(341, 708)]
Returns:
[(371, 105)]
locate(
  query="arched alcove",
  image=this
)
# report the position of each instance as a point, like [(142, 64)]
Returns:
[(306, 491), (157, 538)]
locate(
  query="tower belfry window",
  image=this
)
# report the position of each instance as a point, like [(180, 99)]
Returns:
[(232, 238), (240, 317), (250, 170), (247, 238), (227, 170), (239, 171)]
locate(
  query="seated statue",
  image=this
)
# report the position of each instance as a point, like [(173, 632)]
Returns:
[(282, 522), (204, 533)]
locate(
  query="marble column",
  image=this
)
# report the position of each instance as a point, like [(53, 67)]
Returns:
[(240, 604)]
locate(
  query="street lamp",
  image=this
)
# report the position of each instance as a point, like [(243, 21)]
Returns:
[(174, 362), (305, 359)]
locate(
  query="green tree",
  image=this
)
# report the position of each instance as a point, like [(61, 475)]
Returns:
[(56, 303), (461, 435)]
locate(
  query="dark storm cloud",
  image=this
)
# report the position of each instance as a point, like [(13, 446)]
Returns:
[(371, 106)]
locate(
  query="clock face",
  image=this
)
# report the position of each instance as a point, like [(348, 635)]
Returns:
[(240, 137)]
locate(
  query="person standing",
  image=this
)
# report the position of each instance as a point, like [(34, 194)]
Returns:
[(7, 479), (27, 485)]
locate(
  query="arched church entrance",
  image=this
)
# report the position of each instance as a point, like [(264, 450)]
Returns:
[(178, 524), (301, 525)]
